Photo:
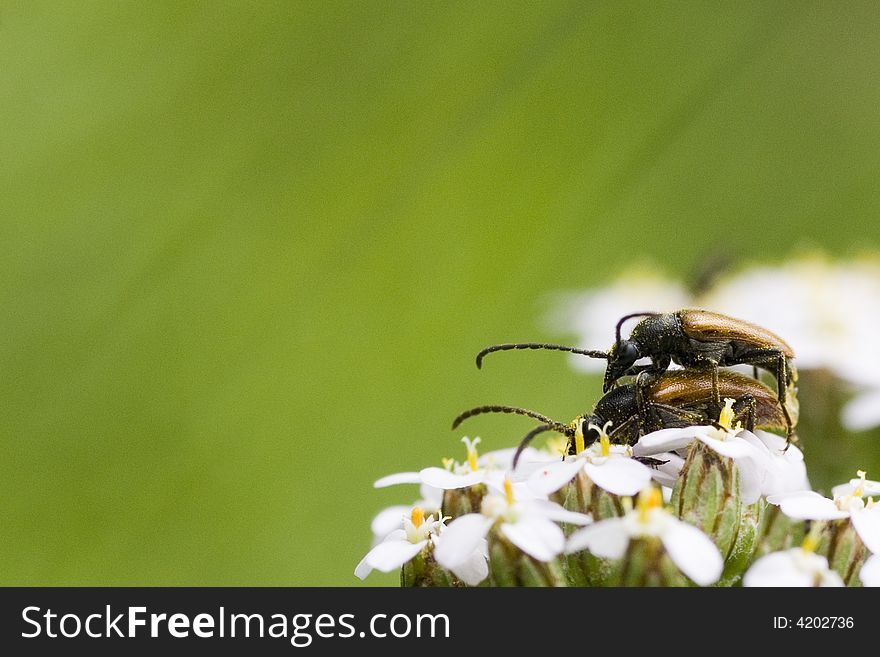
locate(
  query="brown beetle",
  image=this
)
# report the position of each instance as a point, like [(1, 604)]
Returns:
[(672, 399), (693, 338)]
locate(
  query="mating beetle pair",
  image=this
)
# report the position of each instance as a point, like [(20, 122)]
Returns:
[(699, 340)]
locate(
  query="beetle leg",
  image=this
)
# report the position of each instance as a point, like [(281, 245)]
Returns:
[(775, 359), (755, 372), (750, 405)]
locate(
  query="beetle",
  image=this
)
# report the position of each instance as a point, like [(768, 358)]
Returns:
[(693, 338), (673, 399)]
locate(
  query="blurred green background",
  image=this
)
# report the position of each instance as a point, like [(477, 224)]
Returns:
[(250, 249)]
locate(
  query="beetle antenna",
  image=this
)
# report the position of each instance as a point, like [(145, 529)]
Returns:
[(626, 317), (479, 410), (538, 345), (529, 437)]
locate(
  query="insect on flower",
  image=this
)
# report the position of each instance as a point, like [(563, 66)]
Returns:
[(696, 339), (673, 399)]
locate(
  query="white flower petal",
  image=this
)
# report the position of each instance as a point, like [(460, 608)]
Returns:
[(432, 498), (870, 572), (552, 476), (460, 539), (667, 474), (398, 478), (474, 569), (388, 556), (776, 569), (867, 523), (440, 478), (606, 538), (620, 476), (807, 505), (793, 567), (502, 459), (553, 511), (535, 535), (387, 520), (734, 447), (665, 440), (693, 552)]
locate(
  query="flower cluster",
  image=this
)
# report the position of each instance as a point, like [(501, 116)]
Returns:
[(698, 505)]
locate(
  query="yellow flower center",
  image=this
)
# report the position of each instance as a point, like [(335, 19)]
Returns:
[(649, 499), (417, 516), (508, 490)]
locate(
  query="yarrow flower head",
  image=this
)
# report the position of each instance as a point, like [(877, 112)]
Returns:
[(689, 548), (611, 467), (530, 525)]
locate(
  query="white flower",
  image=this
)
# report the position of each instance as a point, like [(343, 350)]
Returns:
[(454, 475), (870, 572), (690, 549), (404, 544), (808, 505), (860, 486), (389, 519), (728, 441), (783, 463), (529, 525), (608, 466), (794, 567), (400, 545)]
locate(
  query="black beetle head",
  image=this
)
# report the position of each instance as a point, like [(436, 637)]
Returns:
[(621, 358)]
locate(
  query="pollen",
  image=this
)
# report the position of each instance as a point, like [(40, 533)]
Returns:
[(604, 438), (508, 490), (725, 418), (417, 516), (578, 435)]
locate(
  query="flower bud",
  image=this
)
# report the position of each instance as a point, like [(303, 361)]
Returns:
[(509, 566), (583, 496), (423, 570), (778, 532), (707, 495), (843, 548), (461, 501)]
